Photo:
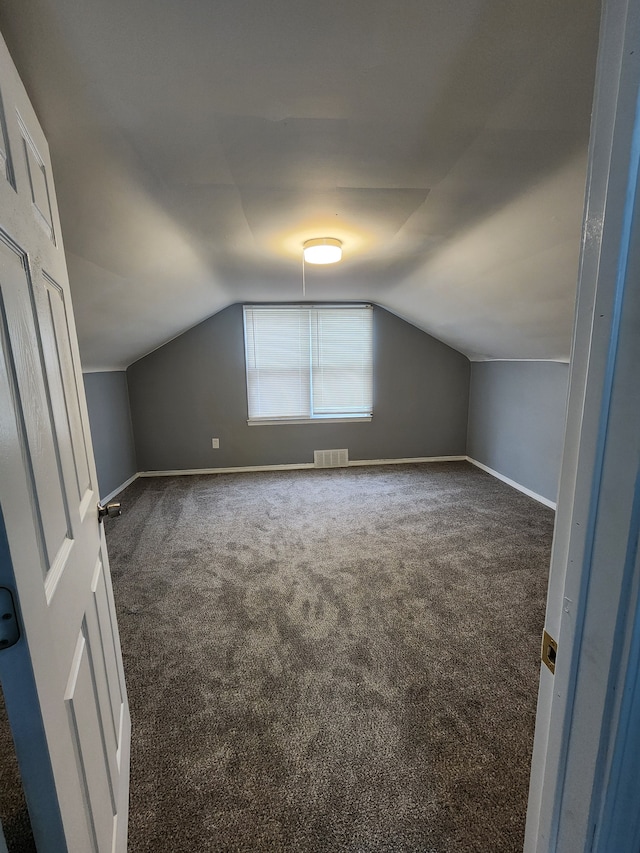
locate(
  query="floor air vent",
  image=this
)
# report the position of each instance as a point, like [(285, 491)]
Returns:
[(331, 458)]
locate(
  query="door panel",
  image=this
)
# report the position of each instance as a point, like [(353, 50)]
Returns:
[(38, 181), (40, 441), (65, 673), (109, 688), (82, 698), (6, 163), (62, 366)]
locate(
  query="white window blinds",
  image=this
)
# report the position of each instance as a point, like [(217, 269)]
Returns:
[(311, 362)]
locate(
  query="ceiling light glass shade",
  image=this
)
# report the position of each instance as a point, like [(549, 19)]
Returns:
[(323, 250)]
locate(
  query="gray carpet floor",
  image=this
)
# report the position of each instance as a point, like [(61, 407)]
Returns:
[(330, 661), (14, 816)]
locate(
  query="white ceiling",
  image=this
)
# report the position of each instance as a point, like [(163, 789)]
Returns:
[(197, 144)]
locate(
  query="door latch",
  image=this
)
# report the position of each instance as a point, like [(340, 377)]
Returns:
[(9, 630), (549, 651), (111, 510)]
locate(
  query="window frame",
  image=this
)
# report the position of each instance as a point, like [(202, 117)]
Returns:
[(348, 417)]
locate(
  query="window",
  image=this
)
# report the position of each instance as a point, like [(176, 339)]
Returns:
[(308, 363)]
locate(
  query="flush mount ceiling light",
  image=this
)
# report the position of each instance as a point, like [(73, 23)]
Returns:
[(322, 250)]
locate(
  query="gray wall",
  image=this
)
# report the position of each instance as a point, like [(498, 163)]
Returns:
[(111, 430), (193, 389), (516, 420)]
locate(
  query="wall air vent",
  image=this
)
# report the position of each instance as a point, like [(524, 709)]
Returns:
[(331, 458)]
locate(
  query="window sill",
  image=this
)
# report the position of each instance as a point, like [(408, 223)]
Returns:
[(294, 421)]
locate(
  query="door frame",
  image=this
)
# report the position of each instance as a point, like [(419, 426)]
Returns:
[(591, 607)]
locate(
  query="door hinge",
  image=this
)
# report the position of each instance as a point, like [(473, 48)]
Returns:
[(549, 651), (9, 630)]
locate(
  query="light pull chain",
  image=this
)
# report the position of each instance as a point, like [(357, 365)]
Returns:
[(303, 281)]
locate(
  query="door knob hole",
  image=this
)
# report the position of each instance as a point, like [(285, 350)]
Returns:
[(7, 615)]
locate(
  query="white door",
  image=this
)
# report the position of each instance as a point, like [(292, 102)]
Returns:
[(63, 679)]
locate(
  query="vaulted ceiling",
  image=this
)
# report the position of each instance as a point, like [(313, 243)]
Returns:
[(197, 144)]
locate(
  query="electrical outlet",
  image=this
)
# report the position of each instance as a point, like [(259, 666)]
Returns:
[(215, 443)]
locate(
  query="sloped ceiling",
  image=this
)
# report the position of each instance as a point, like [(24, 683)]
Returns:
[(197, 144)]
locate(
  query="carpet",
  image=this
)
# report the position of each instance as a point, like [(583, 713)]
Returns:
[(330, 660), (14, 816)]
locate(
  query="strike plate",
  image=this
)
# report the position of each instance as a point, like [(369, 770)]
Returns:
[(9, 631), (549, 651)]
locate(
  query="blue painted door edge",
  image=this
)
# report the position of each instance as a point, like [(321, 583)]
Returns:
[(23, 710)]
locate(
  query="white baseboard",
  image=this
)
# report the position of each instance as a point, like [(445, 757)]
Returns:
[(407, 460), (297, 466), (187, 472), (300, 466), (120, 488), (509, 482)]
